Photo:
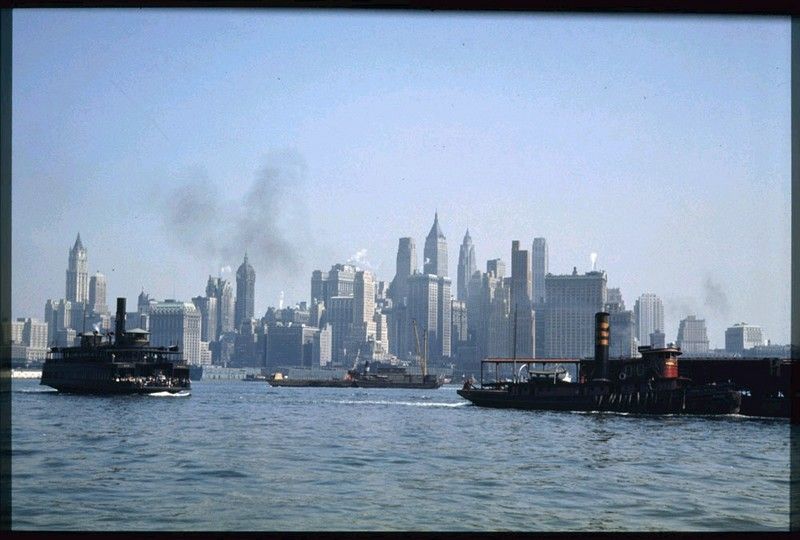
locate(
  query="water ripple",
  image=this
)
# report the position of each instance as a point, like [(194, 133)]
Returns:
[(237, 456)]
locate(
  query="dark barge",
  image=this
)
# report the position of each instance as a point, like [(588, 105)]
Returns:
[(765, 382), (649, 385), (129, 365), (379, 376)]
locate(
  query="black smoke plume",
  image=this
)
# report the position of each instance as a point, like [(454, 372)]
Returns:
[(267, 220), (715, 298)]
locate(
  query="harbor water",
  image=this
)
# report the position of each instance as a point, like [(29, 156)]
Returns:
[(244, 456)]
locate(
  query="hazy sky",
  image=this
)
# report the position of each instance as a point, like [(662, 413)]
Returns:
[(174, 140)]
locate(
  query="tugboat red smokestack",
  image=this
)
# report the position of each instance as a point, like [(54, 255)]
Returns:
[(119, 329), (601, 335)]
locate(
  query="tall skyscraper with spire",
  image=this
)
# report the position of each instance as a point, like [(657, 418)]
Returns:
[(466, 266), (245, 293), (78, 273), (435, 250)]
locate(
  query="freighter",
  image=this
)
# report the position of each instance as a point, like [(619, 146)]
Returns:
[(649, 384), (129, 365)]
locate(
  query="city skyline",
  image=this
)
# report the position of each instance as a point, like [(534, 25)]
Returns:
[(678, 178)]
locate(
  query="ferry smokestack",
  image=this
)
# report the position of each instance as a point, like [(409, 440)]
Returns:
[(601, 333), (120, 325)]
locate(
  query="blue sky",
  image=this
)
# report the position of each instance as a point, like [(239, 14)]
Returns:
[(173, 140)]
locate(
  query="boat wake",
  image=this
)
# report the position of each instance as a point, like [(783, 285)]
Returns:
[(406, 403), (170, 394), (36, 390)]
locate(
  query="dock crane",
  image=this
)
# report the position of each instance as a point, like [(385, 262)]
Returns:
[(423, 359), (358, 357)]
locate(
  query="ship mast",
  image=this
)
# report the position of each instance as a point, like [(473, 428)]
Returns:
[(423, 363), (425, 355), (514, 376)]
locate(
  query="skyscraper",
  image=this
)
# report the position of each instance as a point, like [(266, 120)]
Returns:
[(521, 308), (496, 267), (207, 305), (444, 318), (245, 292), (222, 290), (487, 314), (363, 306), (743, 336), (176, 323), (77, 273), (692, 336), (435, 251), (97, 293), (319, 283), (406, 265), (399, 325), (143, 302), (339, 314), (466, 266), (423, 307), (622, 336), (460, 328), (499, 337), (572, 301), (648, 313), (539, 269), (339, 282), (474, 311)]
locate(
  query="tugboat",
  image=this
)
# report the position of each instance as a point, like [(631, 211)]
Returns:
[(649, 384), (129, 365)]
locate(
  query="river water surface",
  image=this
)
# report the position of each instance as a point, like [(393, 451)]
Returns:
[(244, 456)]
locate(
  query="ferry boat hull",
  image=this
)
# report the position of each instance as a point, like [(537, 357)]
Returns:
[(129, 365), (93, 378)]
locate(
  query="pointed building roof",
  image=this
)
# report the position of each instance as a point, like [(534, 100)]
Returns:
[(435, 230), (245, 266), (78, 243), (467, 237)]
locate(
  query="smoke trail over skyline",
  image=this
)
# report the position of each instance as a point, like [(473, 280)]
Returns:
[(266, 220)]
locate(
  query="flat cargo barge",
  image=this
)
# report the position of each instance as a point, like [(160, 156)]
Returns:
[(368, 377)]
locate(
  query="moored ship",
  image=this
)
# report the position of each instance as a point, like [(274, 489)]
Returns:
[(649, 384), (129, 365)]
